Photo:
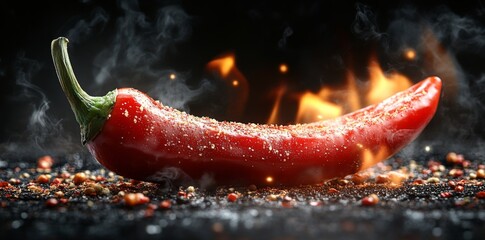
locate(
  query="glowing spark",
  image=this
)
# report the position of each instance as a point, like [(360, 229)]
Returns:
[(427, 148), (283, 68), (172, 76), (410, 54), (269, 179), (235, 83)]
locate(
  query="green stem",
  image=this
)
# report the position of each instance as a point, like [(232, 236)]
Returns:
[(91, 112)]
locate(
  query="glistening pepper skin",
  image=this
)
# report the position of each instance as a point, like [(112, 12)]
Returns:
[(142, 139)]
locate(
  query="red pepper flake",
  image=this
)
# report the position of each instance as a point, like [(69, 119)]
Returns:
[(418, 182), (43, 178), (332, 191), (455, 158), (370, 200), (232, 197), (51, 202), (452, 184), (466, 164), (287, 202), (79, 178), (382, 179), (480, 195), (45, 162), (481, 173), (59, 194), (166, 204), (456, 172), (459, 188), (63, 200), (99, 178), (359, 178), (150, 210), (65, 175), (461, 182), (4, 184), (90, 191), (14, 181), (133, 199), (182, 194), (426, 171), (190, 195), (446, 194), (434, 168), (56, 181)]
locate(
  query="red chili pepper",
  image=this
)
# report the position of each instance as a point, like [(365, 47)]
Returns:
[(137, 137)]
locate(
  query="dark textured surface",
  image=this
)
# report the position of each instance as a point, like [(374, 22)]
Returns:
[(330, 210)]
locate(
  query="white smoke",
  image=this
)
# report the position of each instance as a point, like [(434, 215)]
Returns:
[(43, 133), (444, 41), (83, 29), (138, 54)]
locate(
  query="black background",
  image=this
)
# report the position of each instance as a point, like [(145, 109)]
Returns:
[(327, 39)]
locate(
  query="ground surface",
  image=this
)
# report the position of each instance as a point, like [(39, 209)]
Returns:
[(431, 199)]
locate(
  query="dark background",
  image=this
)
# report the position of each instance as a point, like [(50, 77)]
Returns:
[(139, 44)]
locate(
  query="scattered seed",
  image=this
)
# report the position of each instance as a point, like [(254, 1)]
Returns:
[(418, 182), (14, 181), (446, 194), (4, 184), (459, 188), (232, 197), (370, 200), (59, 194), (190, 189), (433, 180), (272, 197), (382, 179), (182, 194), (79, 178), (133, 199), (166, 204), (481, 173), (480, 195), (288, 202), (43, 178), (51, 202), (456, 172)]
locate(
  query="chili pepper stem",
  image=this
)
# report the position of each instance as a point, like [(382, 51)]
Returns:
[(91, 112)]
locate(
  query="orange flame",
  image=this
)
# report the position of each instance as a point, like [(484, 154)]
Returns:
[(274, 117), (315, 107), (382, 86), (370, 158), (331, 103), (237, 86)]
